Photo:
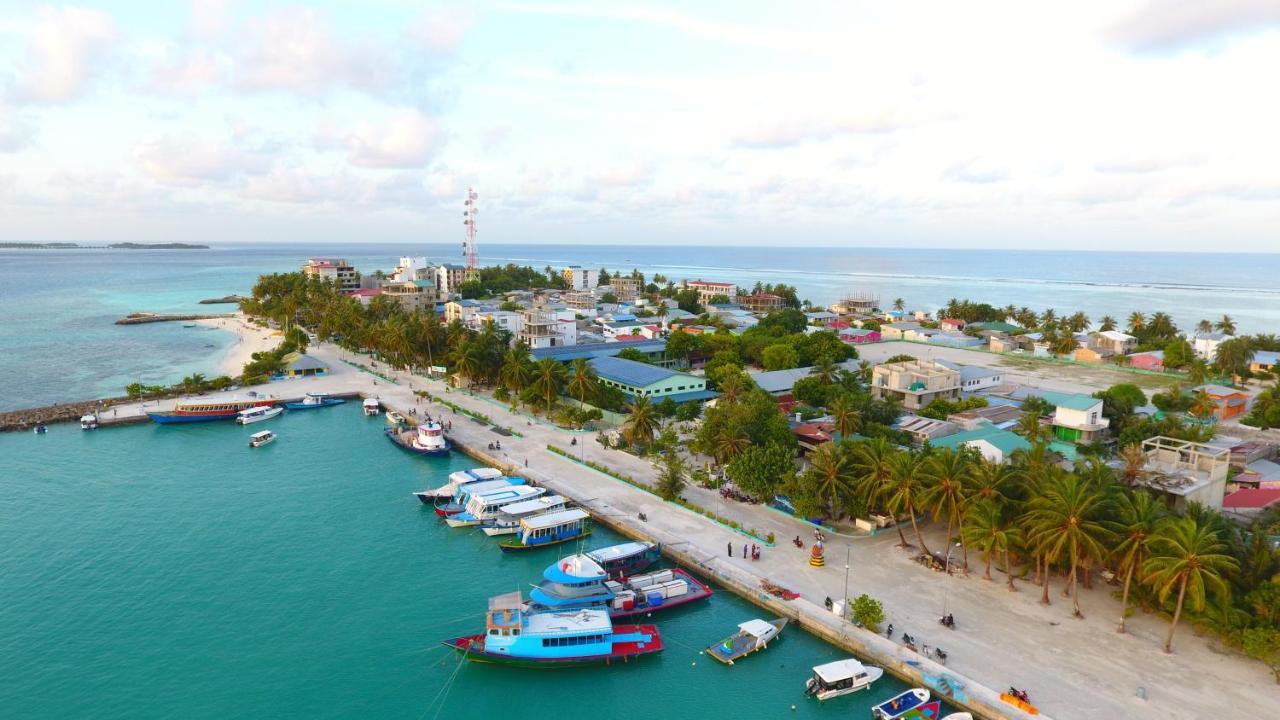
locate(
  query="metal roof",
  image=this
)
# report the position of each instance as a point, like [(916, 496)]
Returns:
[(1006, 441), (565, 353), (1071, 401), (553, 519), (630, 372)]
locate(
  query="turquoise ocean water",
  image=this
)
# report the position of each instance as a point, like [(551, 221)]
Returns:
[(58, 343), (171, 572)]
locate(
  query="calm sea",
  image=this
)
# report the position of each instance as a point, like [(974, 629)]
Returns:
[(58, 343), (171, 572)]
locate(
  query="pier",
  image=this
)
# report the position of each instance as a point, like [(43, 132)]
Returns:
[(142, 318)]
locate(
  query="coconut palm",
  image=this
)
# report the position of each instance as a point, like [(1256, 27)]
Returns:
[(730, 388), (1204, 327), (903, 490), (1191, 557), (1161, 325), (845, 415), (1048, 317), (1065, 345), (1134, 461), (1066, 518), (872, 461), (831, 475), (583, 383), (1107, 323), (1137, 321), (1197, 372), (516, 370), (1203, 406), (549, 377), (944, 493), (825, 370), (899, 304), (991, 482), (1030, 427), (729, 443), (642, 423), (1226, 325), (193, 383), (468, 360), (1078, 321), (990, 532), (1137, 519), (1233, 356)]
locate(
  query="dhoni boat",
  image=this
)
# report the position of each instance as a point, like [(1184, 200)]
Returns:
[(752, 636), (458, 502), (549, 529), (626, 558), (577, 581), (456, 480), (507, 521), (205, 411), (485, 506), (427, 439)]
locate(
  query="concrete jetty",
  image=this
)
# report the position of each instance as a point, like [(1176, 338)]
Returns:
[(142, 318)]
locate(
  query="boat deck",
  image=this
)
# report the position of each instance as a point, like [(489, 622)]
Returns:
[(698, 590), (472, 646)]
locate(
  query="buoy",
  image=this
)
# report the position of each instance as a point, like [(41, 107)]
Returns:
[(693, 664), (793, 708)]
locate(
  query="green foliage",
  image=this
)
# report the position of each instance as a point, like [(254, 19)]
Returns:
[(868, 612), (760, 470), (901, 357), (672, 475), (609, 298), (941, 408), (1121, 400), (787, 320), (688, 411), (633, 354), (781, 357), (1178, 353), (754, 416)]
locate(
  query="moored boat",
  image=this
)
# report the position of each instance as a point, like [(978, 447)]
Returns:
[(458, 502), (507, 521), (514, 636), (314, 400), (427, 439), (927, 711), (899, 705), (258, 414), (205, 411), (371, 406), (40, 429), (958, 716), (394, 418), (456, 480), (752, 636), (482, 507), (626, 558), (549, 529), (577, 581), (259, 439), (88, 422), (841, 677)]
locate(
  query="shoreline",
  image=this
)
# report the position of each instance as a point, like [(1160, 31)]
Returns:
[(249, 340)]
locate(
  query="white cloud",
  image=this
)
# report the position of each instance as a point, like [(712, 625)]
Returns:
[(186, 72), (295, 50), (440, 31), (16, 131), (297, 185), (186, 160), (1169, 25), (975, 171), (64, 45), (407, 139)]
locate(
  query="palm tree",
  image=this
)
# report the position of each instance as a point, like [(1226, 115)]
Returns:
[(845, 415), (1203, 406), (517, 370), (468, 360), (1138, 519), (830, 474), (1197, 372), (991, 482), (1226, 325), (583, 382), (1066, 517), (1204, 327), (1030, 427), (1107, 323), (825, 370), (672, 472), (1190, 556), (872, 464), (991, 533), (729, 443), (1233, 356), (193, 383), (1137, 321), (899, 304), (903, 490), (1134, 461), (1065, 345), (1161, 325), (549, 377), (1048, 317), (1078, 321), (642, 423), (730, 388), (945, 473)]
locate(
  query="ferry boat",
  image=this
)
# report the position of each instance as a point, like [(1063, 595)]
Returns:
[(203, 411), (88, 422), (507, 521), (550, 529), (313, 401), (515, 636), (577, 581), (899, 705), (841, 677), (486, 506), (258, 414), (458, 502), (752, 636), (456, 480), (259, 439), (427, 439), (626, 558), (371, 406)]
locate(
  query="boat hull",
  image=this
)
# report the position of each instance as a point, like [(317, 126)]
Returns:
[(394, 437), (517, 546), (698, 590), (172, 418), (314, 406), (472, 647), (272, 413)]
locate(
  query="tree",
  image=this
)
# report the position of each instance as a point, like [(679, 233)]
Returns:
[(1233, 356), (845, 415), (1203, 406), (899, 304), (830, 475), (782, 356), (1108, 323), (867, 612), (609, 298), (583, 382), (1178, 353), (1138, 519), (1137, 321), (944, 494), (672, 476), (641, 424), (1066, 518), (903, 490), (990, 532), (729, 442), (1226, 325), (549, 377), (1204, 327), (1030, 427), (1134, 461), (1263, 643), (760, 471), (516, 370), (1190, 556), (1119, 401), (193, 383)]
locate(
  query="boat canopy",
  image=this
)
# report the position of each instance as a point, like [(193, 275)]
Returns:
[(371, 402), (613, 552), (757, 628), (528, 506), (550, 520), (834, 672), (259, 435), (574, 569)]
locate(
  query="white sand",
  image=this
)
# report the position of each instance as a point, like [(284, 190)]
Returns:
[(250, 339)]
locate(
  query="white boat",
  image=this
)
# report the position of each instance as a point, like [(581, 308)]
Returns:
[(841, 677), (752, 635), (88, 422), (259, 439), (371, 406), (252, 415), (394, 418), (485, 506), (457, 480), (427, 439), (507, 521), (959, 716)]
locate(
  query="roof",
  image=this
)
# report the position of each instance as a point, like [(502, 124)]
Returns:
[(613, 552), (630, 337), (1071, 401), (709, 283), (1149, 353), (298, 361), (1212, 336), (997, 326), (576, 621), (1116, 335), (565, 353), (775, 381), (424, 283), (1218, 390), (757, 627), (1251, 499), (630, 372), (691, 395), (1004, 440), (553, 519), (973, 372), (838, 670), (364, 292), (1266, 357)]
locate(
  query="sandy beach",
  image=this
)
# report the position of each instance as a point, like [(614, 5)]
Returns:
[(249, 339)]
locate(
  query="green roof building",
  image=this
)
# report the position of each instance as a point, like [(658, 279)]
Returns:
[(995, 444)]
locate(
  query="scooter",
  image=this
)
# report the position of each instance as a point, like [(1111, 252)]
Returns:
[(948, 621)]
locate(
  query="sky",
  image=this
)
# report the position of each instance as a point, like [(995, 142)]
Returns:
[(1117, 125)]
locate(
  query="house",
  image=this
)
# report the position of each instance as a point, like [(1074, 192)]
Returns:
[(1000, 328), (820, 317), (914, 383), (1249, 503), (412, 268), (579, 278), (899, 330), (412, 294), (512, 322), (1229, 402), (858, 336), (448, 278), (761, 302), (462, 310), (1117, 342), (1008, 343), (653, 351), (1206, 345), (1181, 471), (951, 324), (582, 301), (1153, 360), (810, 435), (1094, 355), (296, 364), (1077, 418), (364, 295), (337, 271), (1265, 361), (637, 379), (1001, 416), (924, 429), (708, 291), (996, 445), (780, 382), (974, 378)]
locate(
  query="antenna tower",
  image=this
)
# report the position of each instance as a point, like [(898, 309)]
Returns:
[(469, 213)]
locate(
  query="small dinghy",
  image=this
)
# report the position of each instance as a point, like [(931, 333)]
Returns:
[(899, 705), (89, 422), (752, 635)]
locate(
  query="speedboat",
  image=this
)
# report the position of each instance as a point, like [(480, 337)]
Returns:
[(394, 418), (313, 401), (40, 429), (507, 521), (577, 581), (371, 406), (841, 677), (752, 636), (258, 414), (899, 705), (626, 558), (457, 479), (483, 507), (427, 439), (259, 439), (88, 422)]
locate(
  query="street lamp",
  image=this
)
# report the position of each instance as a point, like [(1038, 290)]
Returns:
[(848, 550)]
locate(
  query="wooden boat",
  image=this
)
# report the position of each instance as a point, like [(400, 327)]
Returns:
[(549, 529), (427, 439), (899, 705), (752, 636), (507, 520), (458, 502), (841, 677), (313, 401), (203, 411), (259, 439), (482, 508)]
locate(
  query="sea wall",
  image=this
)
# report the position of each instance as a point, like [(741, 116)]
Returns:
[(141, 318), (28, 418)]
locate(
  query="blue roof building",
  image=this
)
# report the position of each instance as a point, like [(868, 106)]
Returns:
[(637, 379), (652, 349)]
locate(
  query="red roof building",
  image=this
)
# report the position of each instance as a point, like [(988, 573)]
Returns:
[(1251, 499)]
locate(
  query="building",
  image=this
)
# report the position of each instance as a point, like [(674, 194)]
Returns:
[(583, 301), (1117, 342), (541, 329), (448, 278), (1092, 355), (1229, 402), (1249, 503), (1264, 361), (512, 322), (1206, 345), (653, 351), (859, 303), (1008, 343), (951, 339), (951, 324), (412, 295), (925, 429), (995, 444), (637, 379), (914, 383), (858, 336), (708, 291), (365, 295), (1077, 418), (1181, 471), (1153, 361), (296, 364), (1001, 416), (462, 310), (413, 268), (579, 278), (974, 378), (337, 271), (761, 302), (626, 289)]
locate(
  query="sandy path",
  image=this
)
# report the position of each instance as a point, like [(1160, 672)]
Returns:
[(250, 339)]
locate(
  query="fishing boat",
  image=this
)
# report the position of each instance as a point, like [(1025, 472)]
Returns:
[(458, 502), (485, 506), (258, 414), (394, 418), (752, 635), (427, 439), (88, 422), (549, 529), (507, 521), (371, 406), (259, 439), (626, 558), (841, 677), (456, 480), (515, 636), (899, 705), (313, 401), (205, 411), (577, 581), (40, 429)]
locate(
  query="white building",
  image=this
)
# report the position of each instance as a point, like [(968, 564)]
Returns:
[(337, 271), (512, 322), (413, 268), (580, 278), (1206, 344)]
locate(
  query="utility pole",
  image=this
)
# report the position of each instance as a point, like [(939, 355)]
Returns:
[(848, 550)]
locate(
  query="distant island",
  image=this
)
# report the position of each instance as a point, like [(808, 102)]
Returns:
[(156, 246), (113, 246)]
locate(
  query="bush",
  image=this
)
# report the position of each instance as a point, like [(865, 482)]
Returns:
[(868, 612)]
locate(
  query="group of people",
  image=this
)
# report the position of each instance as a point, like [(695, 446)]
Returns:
[(752, 551), (496, 445)]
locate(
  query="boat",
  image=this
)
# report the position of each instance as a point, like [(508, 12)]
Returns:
[(314, 400), (394, 418), (458, 502), (577, 581), (841, 677), (205, 411), (927, 711), (899, 705), (752, 635), (88, 422), (40, 429), (259, 439), (427, 439), (482, 507), (515, 636), (626, 558), (507, 521), (549, 529), (371, 406), (258, 414), (959, 716), (456, 480)]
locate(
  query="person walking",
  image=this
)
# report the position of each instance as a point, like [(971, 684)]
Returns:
[(744, 550), (731, 549)]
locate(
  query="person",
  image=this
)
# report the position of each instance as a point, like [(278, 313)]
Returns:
[(744, 550), (573, 441), (731, 549), (889, 631), (526, 462)]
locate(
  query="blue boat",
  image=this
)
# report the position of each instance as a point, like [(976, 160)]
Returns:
[(313, 401), (206, 411), (900, 705), (549, 529), (484, 507), (458, 502), (626, 558), (577, 581)]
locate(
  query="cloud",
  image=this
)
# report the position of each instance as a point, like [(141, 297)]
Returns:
[(295, 50), (66, 43), (187, 73), (188, 161), (1172, 25), (974, 171), (16, 131), (407, 139), (440, 31), (794, 131), (296, 185), (1142, 164)]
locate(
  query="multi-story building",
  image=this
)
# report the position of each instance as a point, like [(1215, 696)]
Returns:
[(1181, 472), (541, 329), (1206, 344), (761, 302), (412, 294), (413, 268), (448, 278), (708, 290), (512, 322), (626, 289), (337, 271), (915, 383), (1077, 418), (582, 301), (579, 278), (462, 310)]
